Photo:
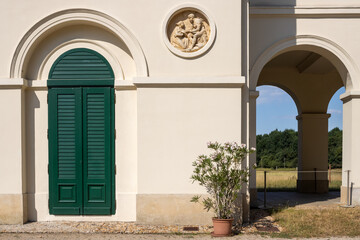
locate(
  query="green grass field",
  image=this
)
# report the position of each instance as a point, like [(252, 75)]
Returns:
[(311, 223), (285, 179)]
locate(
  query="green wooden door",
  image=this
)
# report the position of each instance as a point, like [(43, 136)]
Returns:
[(65, 158), (81, 151), (97, 150)]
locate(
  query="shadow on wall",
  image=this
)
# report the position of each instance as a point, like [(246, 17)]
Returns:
[(32, 103)]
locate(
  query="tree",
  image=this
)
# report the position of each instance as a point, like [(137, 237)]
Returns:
[(335, 148), (277, 147)]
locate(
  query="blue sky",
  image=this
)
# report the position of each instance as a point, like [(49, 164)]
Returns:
[(275, 109)]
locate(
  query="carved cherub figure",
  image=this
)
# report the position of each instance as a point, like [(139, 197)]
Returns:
[(198, 38), (180, 37)]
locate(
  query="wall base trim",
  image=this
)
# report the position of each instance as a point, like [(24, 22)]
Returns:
[(13, 209)]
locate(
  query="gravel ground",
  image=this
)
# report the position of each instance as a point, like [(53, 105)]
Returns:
[(97, 227), (107, 236), (259, 218), (261, 222), (122, 230)]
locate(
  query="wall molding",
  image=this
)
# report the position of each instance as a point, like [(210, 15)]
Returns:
[(226, 81), (308, 11), (347, 96), (57, 19)]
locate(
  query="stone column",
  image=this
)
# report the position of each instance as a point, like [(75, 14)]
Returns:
[(13, 202), (313, 152), (252, 143), (351, 145)]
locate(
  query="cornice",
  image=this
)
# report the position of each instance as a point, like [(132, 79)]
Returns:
[(304, 11)]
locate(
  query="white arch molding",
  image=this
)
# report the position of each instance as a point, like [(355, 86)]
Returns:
[(72, 15), (341, 60)]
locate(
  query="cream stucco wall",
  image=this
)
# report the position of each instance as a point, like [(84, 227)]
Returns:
[(173, 129), (167, 107), (13, 162), (146, 27), (174, 125), (159, 129), (350, 149)]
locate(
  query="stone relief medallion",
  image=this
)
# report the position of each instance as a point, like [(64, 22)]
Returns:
[(188, 32)]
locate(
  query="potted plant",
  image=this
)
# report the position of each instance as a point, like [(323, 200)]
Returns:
[(222, 175)]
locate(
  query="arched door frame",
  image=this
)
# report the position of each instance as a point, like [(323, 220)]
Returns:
[(65, 17)]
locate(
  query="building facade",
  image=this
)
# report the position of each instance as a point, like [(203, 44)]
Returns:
[(107, 104)]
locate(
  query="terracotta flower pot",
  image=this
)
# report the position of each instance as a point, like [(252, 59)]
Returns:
[(222, 227)]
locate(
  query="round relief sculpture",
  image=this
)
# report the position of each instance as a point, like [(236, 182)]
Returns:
[(188, 32)]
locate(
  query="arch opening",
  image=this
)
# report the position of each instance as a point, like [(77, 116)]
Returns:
[(311, 79), (276, 121)]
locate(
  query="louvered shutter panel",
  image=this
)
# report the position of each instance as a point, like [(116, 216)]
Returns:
[(65, 151), (97, 150), (80, 64)]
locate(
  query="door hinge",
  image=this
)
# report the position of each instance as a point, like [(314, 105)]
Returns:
[(115, 169), (47, 133), (48, 169), (115, 133)]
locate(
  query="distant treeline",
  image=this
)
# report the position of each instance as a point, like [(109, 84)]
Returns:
[(278, 149)]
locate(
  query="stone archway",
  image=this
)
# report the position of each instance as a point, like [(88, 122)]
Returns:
[(315, 69)]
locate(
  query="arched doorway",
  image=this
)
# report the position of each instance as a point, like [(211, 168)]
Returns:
[(81, 134), (311, 80), (313, 69)]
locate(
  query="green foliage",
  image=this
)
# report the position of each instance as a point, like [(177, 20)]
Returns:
[(222, 176), (335, 148), (277, 147)]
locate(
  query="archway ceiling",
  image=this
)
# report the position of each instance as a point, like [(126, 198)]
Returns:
[(309, 78), (304, 61)]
